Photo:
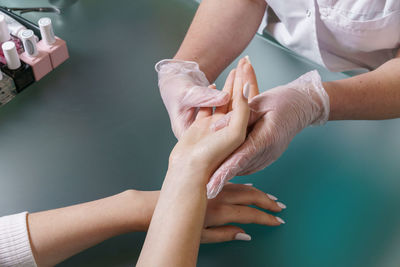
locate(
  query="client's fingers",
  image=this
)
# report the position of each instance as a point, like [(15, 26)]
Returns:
[(223, 234), (228, 87), (244, 215), (239, 194), (205, 112), (240, 108), (249, 76)]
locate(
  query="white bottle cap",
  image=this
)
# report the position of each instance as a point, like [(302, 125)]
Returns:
[(46, 30), (11, 55), (4, 32), (29, 41)]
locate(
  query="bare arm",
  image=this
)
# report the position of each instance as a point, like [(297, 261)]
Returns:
[(371, 96), (58, 234), (174, 233), (219, 32)]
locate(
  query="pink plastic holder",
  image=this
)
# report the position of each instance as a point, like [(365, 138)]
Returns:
[(41, 64), (58, 51)]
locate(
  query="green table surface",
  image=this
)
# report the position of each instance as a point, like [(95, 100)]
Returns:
[(97, 126)]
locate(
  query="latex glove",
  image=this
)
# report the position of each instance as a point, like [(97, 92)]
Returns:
[(183, 88), (277, 115)]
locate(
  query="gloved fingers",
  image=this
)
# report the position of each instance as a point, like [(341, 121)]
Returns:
[(243, 215), (228, 169), (221, 176), (228, 87), (239, 161), (221, 123), (240, 194), (223, 234), (224, 121), (249, 75), (199, 96), (182, 121), (206, 112)]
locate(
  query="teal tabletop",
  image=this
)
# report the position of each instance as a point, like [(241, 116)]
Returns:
[(96, 126)]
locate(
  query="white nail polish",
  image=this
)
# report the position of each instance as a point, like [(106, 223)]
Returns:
[(246, 90), (280, 220), (281, 205), (248, 59), (242, 237), (274, 198), (249, 184)]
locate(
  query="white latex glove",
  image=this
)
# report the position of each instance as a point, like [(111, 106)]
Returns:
[(183, 88), (277, 115)]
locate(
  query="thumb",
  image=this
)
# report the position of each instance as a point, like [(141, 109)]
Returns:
[(224, 121), (223, 174), (221, 123), (236, 163), (199, 96), (181, 121)]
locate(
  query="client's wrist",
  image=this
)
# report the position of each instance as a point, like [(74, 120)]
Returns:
[(188, 173)]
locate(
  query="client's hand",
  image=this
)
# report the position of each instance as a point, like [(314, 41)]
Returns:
[(202, 149), (232, 205)]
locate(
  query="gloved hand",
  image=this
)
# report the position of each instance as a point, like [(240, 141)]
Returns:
[(277, 115), (183, 88)]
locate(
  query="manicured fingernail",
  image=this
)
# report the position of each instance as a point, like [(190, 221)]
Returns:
[(274, 198), (248, 59), (242, 237), (280, 220), (249, 184), (246, 90), (281, 205)]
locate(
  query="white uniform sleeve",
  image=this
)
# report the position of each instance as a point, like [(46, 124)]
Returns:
[(15, 248)]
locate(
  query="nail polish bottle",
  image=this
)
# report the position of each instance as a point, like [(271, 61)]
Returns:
[(51, 44), (7, 89), (20, 72), (5, 37), (37, 59), (15, 22)]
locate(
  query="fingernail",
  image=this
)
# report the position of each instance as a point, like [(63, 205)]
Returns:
[(274, 198), (279, 219), (248, 59), (242, 237), (246, 90), (249, 184), (281, 205)]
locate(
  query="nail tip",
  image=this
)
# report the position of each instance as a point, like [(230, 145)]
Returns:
[(242, 237), (281, 205), (280, 220), (246, 90), (272, 197)]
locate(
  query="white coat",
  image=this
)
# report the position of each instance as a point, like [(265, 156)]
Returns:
[(338, 34)]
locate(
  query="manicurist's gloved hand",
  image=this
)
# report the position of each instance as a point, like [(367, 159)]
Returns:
[(277, 115), (184, 89)]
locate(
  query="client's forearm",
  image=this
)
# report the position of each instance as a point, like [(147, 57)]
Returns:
[(370, 96), (174, 234), (219, 32), (58, 234)]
